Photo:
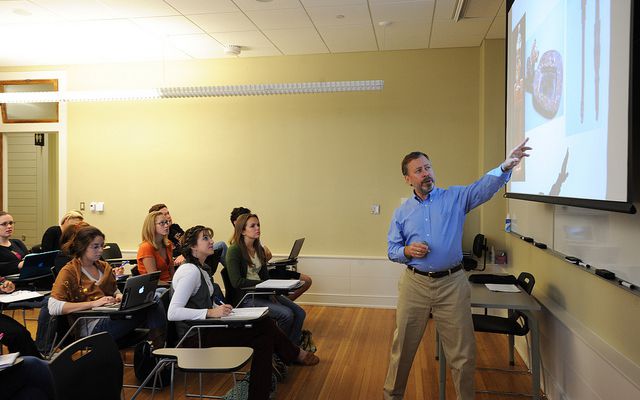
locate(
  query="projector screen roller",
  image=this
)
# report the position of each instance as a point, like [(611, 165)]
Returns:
[(568, 85)]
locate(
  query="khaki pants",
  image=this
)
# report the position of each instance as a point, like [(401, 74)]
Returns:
[(448, 299)]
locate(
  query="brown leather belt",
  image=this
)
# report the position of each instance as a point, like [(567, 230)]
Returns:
[(437, 274)]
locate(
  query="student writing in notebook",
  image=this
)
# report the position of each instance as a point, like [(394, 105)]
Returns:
[(192, 299)]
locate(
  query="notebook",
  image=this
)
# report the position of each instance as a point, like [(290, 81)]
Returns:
[(245, 313), (36, 265), (138, 290), (280, 284), (293, 256)]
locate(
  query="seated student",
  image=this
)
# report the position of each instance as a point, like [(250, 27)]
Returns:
[(247, 266), (68, 234), (12, 251), (156, 250), (12, 333), (29, 380), (192, 300), (276, 273), (86, 282), (51, 238), (175, 232)]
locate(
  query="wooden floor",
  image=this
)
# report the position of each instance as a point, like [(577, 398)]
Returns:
[(353, 346)]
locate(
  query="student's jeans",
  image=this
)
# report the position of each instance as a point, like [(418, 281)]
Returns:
[(289, 316), (29, 380), (153, 318)]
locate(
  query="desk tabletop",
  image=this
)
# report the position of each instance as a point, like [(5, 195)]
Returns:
[(485, 298), (208, 359)]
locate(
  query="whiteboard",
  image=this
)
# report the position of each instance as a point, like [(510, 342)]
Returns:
[(602, 239)]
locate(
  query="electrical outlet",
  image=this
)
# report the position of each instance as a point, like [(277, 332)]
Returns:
[(375, 209)]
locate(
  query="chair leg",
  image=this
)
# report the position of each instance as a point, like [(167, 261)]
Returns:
[(511, 346)]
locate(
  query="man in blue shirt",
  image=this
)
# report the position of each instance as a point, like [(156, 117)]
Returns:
[(426, 235)]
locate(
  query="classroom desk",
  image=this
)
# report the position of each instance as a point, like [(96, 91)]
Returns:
[(484, 298)]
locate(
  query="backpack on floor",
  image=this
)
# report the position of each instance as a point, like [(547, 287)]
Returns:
[(144, 362)]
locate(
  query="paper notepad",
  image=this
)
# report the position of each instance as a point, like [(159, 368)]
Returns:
[(496, 287), (19, 295), (7, 360), (279, 284), (245, 313)]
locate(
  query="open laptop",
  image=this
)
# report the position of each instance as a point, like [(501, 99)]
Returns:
[(293, 256), (138, 290), (35, 265)]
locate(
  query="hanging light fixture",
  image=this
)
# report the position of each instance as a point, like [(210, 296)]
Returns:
[(195, 91)]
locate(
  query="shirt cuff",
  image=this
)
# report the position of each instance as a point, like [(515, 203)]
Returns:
[(497, 172)]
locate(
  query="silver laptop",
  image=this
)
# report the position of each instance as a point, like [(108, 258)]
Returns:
[(138, 290), (293, 256)]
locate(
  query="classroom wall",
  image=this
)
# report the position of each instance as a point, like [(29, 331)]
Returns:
[(309, 165)]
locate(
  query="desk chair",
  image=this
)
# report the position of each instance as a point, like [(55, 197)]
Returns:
[(232, 293), (90, 367), (113, 255), (200, 360), (515, 324)]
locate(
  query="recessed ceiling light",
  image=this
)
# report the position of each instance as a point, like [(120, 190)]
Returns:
[(384, 24), (264, 1), (340, 16)]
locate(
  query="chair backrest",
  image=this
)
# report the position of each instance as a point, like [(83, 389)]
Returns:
[(90, 367), (526, 281), (111, 251), (229, 291)]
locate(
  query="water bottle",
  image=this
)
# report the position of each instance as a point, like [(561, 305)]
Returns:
[(507, 224)]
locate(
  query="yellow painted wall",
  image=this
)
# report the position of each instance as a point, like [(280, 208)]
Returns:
[(309, 165), (610, 312)]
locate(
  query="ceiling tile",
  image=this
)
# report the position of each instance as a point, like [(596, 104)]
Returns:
[(498, 28), (280, 19), (203, 6), (415, 11), (78, 9), (351, 15), (464, 33), (140, 8), (403, 35), (253, 43), (251, 5), (24, 12), (223, 22), (297, 41), (502, 12), (482, 8), (176, 25), (328, 3), (343, 39), (444, 9), (198, 46)]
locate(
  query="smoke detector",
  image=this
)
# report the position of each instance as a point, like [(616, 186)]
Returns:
[(232, 50)]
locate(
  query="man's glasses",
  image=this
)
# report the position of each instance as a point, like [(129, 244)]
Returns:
[(163, 223), (8, 223)]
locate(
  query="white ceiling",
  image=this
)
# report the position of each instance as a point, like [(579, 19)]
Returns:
[(51, 32)]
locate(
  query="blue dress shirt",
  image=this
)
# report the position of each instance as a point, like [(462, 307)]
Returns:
[(438, 220)]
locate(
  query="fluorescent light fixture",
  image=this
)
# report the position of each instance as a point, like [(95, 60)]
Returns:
[(458, 12), (195, 91)]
